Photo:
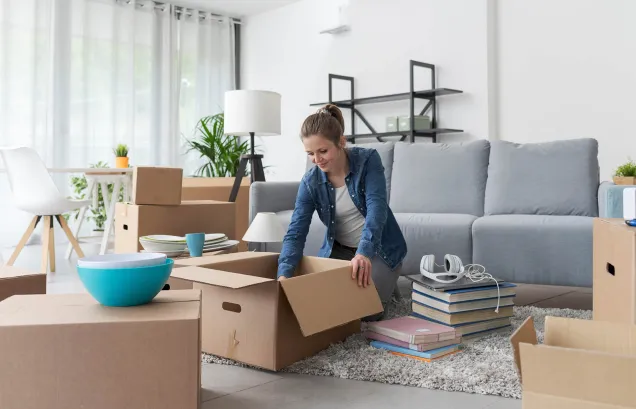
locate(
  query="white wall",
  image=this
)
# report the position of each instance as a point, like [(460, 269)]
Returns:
[(283, 51), (567, 69)]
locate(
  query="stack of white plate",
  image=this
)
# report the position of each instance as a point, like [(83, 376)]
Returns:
[(174, 246)]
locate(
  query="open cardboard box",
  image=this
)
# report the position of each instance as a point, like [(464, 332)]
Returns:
[(67, 351), (250, 317), (14, 281), (581, 364)]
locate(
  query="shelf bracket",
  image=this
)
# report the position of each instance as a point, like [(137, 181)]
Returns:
[(428, 105)]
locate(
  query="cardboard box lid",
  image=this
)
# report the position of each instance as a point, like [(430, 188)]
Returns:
[(13, 272), (58, 309), (217, 278), (588, 361), (330, 298), (618, 223)]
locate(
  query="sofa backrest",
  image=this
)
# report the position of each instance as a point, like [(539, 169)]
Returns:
[(550, 178), (439, 177)]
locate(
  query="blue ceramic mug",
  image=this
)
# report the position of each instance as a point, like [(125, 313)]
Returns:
[(195, 242)]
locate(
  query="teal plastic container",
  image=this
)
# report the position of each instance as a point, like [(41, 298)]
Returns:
[(125, 287)]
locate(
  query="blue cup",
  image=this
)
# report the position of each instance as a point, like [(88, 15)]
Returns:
[(195, 242)]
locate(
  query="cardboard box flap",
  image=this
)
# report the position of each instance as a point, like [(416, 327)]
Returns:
[(60, 309), (591, 376), (604, 336), (524, 334), (224, 258), (327, 299), (14, 272), (217, 277)]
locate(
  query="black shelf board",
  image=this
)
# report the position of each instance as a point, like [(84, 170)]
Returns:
[(425, 133), (427, 94)]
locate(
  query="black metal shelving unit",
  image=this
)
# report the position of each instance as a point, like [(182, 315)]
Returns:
[(429, 95)]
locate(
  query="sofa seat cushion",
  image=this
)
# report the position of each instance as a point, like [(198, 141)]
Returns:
[(435, 233), (315, 237), (439, 177), (535, 249), (552, 178)]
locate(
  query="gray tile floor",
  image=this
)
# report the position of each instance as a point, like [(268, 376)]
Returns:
[(231, 387)]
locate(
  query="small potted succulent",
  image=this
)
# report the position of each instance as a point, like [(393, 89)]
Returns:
[(626, 173), (121, 156)]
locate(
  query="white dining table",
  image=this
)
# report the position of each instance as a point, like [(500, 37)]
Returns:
[(99, 178)]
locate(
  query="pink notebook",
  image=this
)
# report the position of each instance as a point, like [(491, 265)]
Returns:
[(413, 330), (415, 347)]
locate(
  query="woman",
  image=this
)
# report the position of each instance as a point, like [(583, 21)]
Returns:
[(347, 188)]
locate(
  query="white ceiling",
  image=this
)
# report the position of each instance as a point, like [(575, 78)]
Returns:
[(234, 8)]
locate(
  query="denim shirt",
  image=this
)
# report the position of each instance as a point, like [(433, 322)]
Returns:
[(366, 184)]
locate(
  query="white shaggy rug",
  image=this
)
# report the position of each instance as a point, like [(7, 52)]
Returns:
[(484, 366)]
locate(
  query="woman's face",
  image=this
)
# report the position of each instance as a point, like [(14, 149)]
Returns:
[(322, 152)]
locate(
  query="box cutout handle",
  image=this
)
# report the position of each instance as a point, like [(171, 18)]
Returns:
[(125, 227), (610, 269), (166, 287), (228, 306)]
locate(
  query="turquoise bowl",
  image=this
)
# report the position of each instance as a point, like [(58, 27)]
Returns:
[(125, 287)]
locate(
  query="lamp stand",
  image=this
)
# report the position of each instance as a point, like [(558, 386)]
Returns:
[(256, 165)]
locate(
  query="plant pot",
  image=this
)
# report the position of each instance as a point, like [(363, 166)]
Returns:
[(625, 180), (121, 162)]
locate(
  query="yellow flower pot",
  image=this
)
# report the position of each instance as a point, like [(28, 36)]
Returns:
[(121, 162), (625, 180)]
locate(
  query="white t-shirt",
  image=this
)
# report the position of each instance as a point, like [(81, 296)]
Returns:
[(349, 220)]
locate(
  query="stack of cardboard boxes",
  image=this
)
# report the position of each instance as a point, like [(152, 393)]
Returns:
[(157, 208), (588, 364)]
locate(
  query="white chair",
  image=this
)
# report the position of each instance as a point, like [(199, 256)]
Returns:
[(34, 191)]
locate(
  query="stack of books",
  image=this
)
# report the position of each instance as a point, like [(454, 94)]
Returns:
[(414, 338), (466, 306)]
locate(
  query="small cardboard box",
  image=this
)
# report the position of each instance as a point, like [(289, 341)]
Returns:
[(582, 364), (200, 216), (157, 186), (250, 317), (219, 189), (614, 270), (68, 351), (14, 281)]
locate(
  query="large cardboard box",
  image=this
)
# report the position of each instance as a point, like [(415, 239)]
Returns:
[(614, 282), (250, 317), (156, 186), (68, 351), (14, 281), (581, 365), (201, 216), (220, 189)]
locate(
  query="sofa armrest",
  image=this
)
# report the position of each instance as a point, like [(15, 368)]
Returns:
[(272, 197)]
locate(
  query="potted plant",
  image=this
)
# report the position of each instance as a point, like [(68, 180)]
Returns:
[(121, 156), (626, 173), (221, 152)]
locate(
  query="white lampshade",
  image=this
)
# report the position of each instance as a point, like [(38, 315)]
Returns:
[(265, 228), (252, 111)]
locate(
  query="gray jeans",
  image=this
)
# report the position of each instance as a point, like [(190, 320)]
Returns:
[(383, 278)]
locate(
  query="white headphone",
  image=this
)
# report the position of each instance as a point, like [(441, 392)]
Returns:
[(455, 270)]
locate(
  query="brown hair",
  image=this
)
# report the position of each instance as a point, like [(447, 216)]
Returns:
[(327, 122)]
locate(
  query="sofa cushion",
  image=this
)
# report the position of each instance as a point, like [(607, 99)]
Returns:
[(535, 249), (385, 150), (439, 177), (435, 233), (551, 178)]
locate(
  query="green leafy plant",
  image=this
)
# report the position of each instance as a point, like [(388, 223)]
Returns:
[(97, 214), (626, 169), (121, 151), (222, 152)]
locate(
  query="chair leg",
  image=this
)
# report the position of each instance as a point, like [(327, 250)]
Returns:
[(46, 236), (62, 221), (23, 240), (51, 245)]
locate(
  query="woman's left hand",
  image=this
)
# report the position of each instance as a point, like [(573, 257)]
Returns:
[(361, 270)]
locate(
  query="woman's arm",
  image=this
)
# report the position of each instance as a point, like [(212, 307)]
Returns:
[(377, 207), (294, 241)]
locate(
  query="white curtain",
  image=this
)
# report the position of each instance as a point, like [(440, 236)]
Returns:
[(78, 77)]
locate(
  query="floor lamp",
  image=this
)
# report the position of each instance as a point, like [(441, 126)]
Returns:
[(249, 112)]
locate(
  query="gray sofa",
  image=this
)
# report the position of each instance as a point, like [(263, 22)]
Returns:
[(524, 211)]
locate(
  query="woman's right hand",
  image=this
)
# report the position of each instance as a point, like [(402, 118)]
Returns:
[(281, 278)]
